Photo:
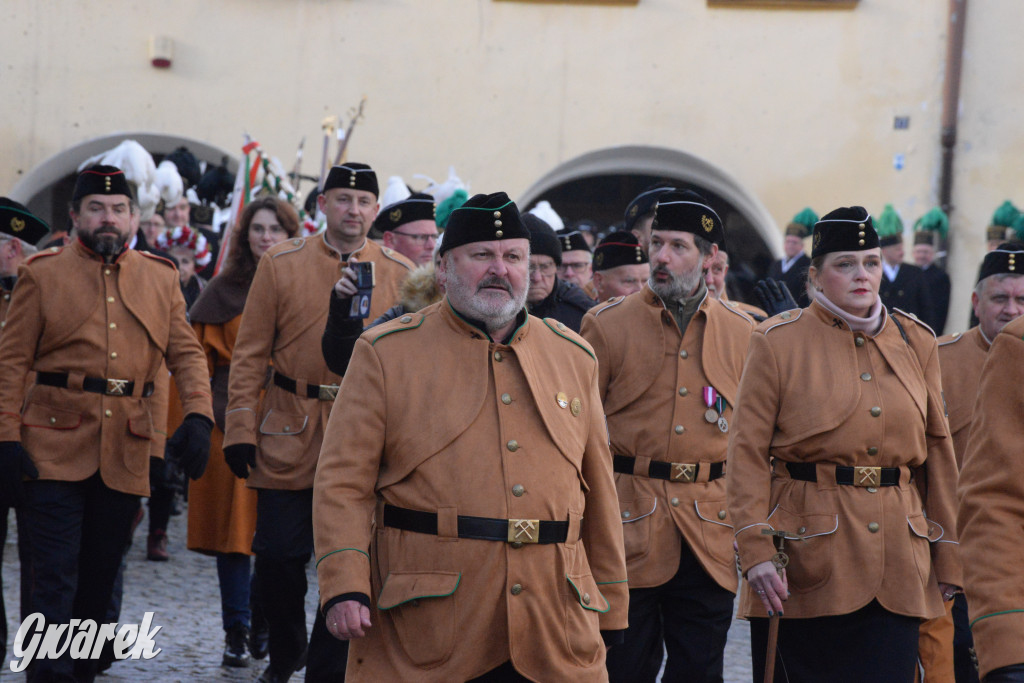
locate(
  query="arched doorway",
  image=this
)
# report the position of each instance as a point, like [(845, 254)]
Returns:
[(46, 189), (598, 185)]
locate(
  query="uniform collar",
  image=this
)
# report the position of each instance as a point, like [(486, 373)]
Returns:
[(476, 328), (85, 252)]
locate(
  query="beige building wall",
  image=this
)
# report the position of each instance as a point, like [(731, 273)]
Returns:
[(796, 105)]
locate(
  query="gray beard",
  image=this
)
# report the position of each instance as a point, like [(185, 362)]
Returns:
[(679, 286), (464, 301)]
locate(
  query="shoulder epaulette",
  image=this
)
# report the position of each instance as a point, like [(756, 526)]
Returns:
[(731, 307), (911, 316), (296, 244), (390, 253), (952, 339), (614, 301), (781, 319), (565, 333), (159, 259), (45, 252), (409, 321)]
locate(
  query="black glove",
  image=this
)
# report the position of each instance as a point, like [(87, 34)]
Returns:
[(15, 464), (240, 457), (189, 446), (774, 296)]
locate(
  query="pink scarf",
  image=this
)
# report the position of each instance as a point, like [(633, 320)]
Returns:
[(869, 325)]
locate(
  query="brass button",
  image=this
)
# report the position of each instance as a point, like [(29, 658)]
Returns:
[(106, 271), (872, 489), (113, 326), (873, 450), (7, 297), (683, 391), (873, 527), (287, 428), (405, 319), (516, 544), (859, 341), (53, 420), (561, 326), (802, 530), (517, 589), (497, 356), (786, 315), (866, 376), (680, 429), (721, 514), (518, 490), (625, 514), (684, 354), (512, 445), (586, 598), (108, 413), (110, 299), (876, 411), (113, 354), (675, 502), (506, 399)]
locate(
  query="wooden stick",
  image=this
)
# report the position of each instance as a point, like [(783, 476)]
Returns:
[(780, 560)]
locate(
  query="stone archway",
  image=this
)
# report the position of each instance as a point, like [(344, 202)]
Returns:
[(46, 189)]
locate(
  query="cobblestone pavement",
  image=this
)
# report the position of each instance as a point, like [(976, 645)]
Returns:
[(183, 594)]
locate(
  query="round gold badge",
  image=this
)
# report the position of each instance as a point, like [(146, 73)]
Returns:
[(575, 407)]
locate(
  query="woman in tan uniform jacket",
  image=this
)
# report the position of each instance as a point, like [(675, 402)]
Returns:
[(222, 509), (841, 443)]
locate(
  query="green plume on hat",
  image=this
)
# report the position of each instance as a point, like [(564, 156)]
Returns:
[(1018, 227), (1006, 214), (888, 223), (445, 208), (935, 220), (807, 218)]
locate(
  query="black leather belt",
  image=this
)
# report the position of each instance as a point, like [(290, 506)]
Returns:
[(848, 476), (322, 392), (481, 528), (96, 385), (669, 471)]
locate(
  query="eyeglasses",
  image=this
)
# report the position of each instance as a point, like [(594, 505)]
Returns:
[(544, 269), (581, 266), (418, 239)]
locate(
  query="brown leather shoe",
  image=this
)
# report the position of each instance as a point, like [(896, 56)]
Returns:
[(156, 546)]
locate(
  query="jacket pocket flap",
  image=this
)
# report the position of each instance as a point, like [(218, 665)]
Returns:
[(925, 528), (633, 511), (141, 427), (48, 417), (713, 511), (799, 526), (586, 593), (402, 587), (277, 423)]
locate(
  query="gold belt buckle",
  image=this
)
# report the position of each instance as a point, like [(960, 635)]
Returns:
[(116, 387), (867, 476), (682, 471), (524, 531), (328, 392)]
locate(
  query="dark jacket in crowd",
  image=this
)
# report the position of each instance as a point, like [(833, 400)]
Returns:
[(908, 292), (795, 278), (566, 303)]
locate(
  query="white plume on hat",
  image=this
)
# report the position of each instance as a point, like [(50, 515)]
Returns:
[(168, 181), (396, 191), (139, 168), (446, 189), (546, 213)]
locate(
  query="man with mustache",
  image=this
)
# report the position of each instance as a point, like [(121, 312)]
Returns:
[(96, 322), (670, 359), (466, 523)]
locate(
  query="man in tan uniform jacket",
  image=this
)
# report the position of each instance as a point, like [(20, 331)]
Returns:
[(998, 298), (990, 517), (464, 509), (276, 442), (96, 322), (670, 359)]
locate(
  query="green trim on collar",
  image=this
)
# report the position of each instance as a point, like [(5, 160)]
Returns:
[(458, 580), (554, 328), (605, 583), (340, 550), (579, 599), (995, 614), (399, 329), (467, 320)]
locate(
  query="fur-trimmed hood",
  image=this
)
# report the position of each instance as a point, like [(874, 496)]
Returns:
[(419, 289)]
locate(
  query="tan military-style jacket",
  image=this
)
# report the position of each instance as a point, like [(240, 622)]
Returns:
[(283, 322), (813, 391), (71, 313), (991, 515), (489, 430), (651, 383), (961, 357)]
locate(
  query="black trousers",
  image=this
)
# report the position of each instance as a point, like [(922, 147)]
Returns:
[(283, 544), (1006, 674), (690, 615), (76, 533), (869, 645), (963, 642)]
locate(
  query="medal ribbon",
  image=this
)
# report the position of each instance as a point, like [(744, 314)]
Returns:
[(720, 405), (710, 396)]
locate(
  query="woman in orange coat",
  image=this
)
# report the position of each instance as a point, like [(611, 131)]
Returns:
[(222, 510), (840, 443)]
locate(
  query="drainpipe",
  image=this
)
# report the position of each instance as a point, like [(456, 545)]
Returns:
[(951, 98)]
